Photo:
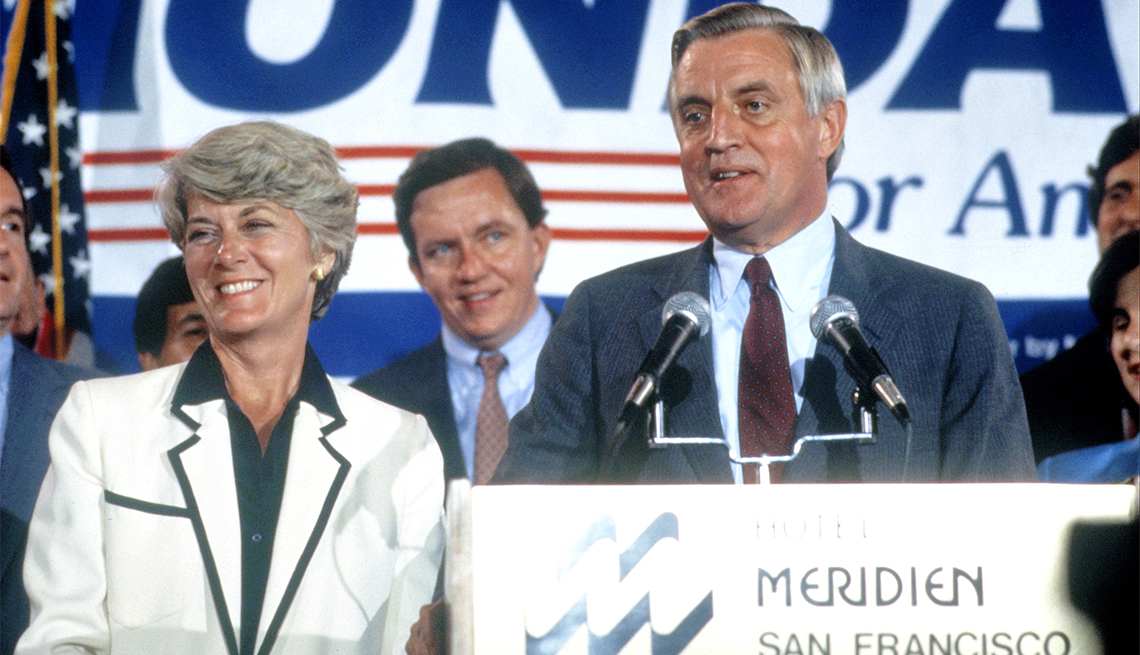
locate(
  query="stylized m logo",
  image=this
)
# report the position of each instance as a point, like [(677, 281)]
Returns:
[(552, 641)]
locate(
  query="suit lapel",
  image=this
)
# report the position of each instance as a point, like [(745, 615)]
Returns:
[(437, 403), (204, 467), (313, 480), (699, 415), (828, 388)]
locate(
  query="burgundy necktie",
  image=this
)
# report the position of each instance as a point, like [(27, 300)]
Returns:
[(491, 421), (767, 409)]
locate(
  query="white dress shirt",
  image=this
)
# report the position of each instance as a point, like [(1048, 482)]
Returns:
[(516, 381), (801, 272)]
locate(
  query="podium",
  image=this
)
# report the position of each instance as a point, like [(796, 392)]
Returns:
[(781, 569)]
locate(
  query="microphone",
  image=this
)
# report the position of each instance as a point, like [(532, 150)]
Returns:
[(835, 318), (685, 318)]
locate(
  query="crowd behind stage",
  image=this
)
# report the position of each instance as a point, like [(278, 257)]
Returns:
[(233, 497)]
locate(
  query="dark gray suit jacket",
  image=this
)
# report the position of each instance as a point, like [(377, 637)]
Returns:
[(37, 388), (939, 334)]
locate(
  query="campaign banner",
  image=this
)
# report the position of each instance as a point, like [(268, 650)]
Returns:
[(971, 124), (774, 569)]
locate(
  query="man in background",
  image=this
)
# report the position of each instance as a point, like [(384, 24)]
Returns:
[(168, 325), (472, 218), (32, 389), (1076, 400)]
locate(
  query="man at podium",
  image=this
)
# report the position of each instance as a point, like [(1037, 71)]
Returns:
[(758, 106)]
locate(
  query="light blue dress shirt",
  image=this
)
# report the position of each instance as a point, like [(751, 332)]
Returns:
[(801, 272), (6, 352), (516, 381)]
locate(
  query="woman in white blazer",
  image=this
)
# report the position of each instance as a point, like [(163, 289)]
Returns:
[(243, 502)]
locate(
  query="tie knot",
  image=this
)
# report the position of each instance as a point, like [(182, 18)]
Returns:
[(758, 273), (492, 364)]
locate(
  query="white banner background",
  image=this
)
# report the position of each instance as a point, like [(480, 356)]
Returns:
[(613, 189)]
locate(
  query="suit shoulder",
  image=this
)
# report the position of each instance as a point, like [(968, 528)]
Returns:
[(149, 384), (903, 278), (647, 269), (402, 374), (352, 399), (378, 418), (49, 367), (909, 269)]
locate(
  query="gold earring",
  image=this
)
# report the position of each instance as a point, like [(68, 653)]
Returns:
[(318, 274)]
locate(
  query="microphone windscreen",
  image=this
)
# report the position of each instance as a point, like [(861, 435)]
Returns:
[(692, 304), (828, 309)]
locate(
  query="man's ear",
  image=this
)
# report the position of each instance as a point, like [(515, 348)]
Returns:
[(832, 124), (541, 236)]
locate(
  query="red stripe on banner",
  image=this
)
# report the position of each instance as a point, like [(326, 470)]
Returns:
[(378, 152), (118, 195), (121, 157), (616, 196), (384, 229), (376, 189), (108, 196), (111, 235), (618, 158)]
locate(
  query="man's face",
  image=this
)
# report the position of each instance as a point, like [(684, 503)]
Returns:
[(14, 265), (753, 161), (1125, 344), (478, 258), (1119, 211), (185, 331)]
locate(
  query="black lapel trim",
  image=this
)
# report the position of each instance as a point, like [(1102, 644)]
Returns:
[(195, 516), (311, 546), (144, 506), (337, 423), (185, 418)]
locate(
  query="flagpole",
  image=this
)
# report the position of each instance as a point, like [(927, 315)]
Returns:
[(13, 50), (58, 309)]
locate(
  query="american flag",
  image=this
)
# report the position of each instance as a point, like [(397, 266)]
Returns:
[(39, 124)]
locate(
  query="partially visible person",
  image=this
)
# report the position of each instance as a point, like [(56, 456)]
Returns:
[(1114, 295), (472, 218), (31, 390), (243, 501), (32, 313), (1072, 400), (168, 324), (35, 328), (758, 104)]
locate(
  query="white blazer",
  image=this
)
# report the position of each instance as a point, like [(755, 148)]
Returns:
[(135, 542)]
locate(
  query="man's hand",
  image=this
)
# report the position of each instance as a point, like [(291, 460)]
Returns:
[(429, 633)]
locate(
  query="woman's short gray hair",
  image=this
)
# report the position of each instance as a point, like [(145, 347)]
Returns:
[(818, 69), (263, 160)]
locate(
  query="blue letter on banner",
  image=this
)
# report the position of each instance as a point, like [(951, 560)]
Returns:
[(589, 53), (1072, 47), (205, 40)]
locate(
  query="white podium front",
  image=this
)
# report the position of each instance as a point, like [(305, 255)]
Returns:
[(787, 569)]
